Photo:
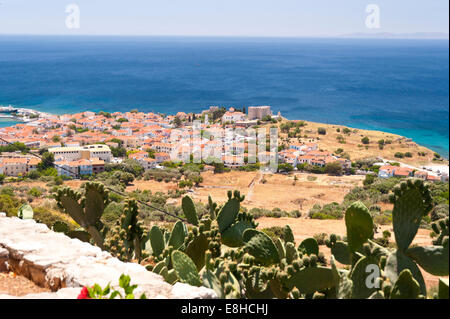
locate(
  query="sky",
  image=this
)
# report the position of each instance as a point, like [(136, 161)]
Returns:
[(270, 18)]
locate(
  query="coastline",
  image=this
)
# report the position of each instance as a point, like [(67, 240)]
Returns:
[(26, 112)]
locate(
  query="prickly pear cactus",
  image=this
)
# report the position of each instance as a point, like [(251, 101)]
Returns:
[(261, 247), (412, 201), (440, 228), (189, 210), (85, 209), (359, 225), (185, 268), (127, 238)]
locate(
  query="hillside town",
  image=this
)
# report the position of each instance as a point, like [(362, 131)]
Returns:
[(83, 143)]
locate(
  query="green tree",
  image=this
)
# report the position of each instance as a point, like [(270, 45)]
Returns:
[(48, 161), (365, 140), (334, 168), (177, 121), (322, 131)]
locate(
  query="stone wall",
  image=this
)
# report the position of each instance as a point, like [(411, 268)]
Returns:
[(64, 265)]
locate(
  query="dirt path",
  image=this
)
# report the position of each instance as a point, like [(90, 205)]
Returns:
[(258, 178), (15, 285)]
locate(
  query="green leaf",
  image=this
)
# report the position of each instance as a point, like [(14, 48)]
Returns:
[(312, 279), (341, 252), (196, 250), (94, 203), (433, 259), (114, 294), (359, 225), (106, 290), (409, 208), (397, 262), (228, 213), (177, 235), (189, 210), (232, 236), (185, 268), (157, 240), (124, 281), (406, 287), (443, 288), (288, 234), (359, 276), (309, 246), (261, 247)]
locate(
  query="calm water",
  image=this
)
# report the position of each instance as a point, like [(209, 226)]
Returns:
[(399, 86)]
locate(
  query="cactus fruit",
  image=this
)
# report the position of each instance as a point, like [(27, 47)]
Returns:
[(441, 229), (212, 207)]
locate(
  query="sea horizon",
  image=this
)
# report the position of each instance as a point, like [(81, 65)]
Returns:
[(390, 85)]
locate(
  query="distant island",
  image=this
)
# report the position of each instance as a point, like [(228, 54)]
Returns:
[(387, 35)]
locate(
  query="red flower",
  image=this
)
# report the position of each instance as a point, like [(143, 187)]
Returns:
[(84, 294)]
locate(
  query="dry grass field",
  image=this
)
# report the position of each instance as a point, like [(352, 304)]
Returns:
[(276, 190), (355, 148)]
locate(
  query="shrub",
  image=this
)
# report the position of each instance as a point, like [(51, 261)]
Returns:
[(322, 131), (9, 204), (320, 238), (365, 140), (274, 232), (334, 168), (36, 192), (382, 219)]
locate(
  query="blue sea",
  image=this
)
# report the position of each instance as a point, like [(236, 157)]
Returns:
[(398, 86)]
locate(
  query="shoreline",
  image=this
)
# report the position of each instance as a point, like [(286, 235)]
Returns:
[(26, 112)]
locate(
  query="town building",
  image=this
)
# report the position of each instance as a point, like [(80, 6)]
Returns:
[(258, 112)]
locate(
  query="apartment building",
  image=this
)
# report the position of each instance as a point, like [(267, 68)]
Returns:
[(258, 112), (99, 151)]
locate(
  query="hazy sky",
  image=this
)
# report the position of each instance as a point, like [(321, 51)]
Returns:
[(222, 17)]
